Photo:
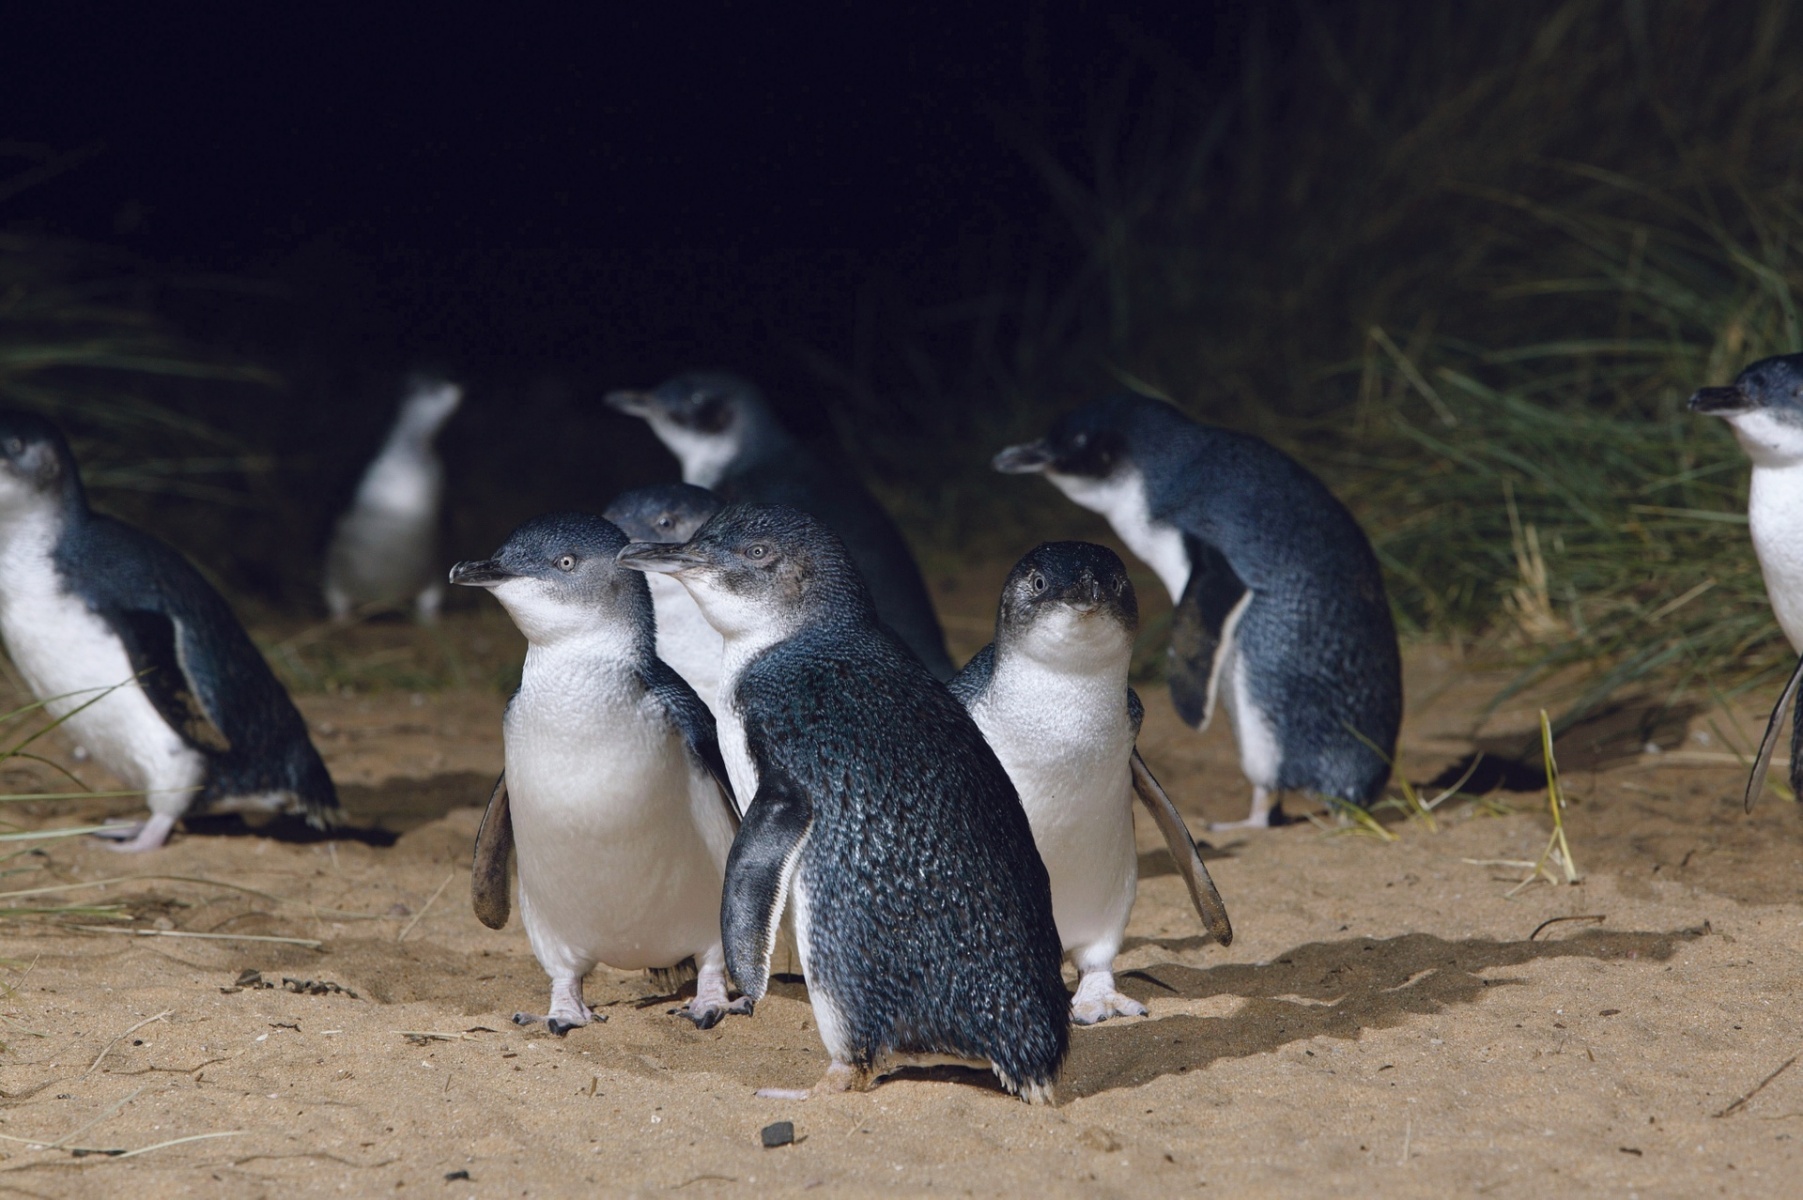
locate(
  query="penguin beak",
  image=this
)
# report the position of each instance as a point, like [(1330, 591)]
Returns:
[(633, 404), (486, 573), (659, 558), (1721, 402), (1024, 459)]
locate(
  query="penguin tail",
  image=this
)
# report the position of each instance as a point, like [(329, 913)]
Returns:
[(669, 980)]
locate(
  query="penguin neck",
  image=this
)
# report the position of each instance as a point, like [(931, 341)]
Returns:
[(34, 526), (585, 655), (1075, 651), (405, 477), (1774, 503), (1122, 499)]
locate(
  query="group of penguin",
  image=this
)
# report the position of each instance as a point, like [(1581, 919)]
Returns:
[(737, 715)]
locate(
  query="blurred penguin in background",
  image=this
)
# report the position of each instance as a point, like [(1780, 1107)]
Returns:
[(384, 551), (729, 441)]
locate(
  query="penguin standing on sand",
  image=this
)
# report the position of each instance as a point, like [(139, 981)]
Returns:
[(729, 441), (614, 793), (1050, 694), (1280, 603), (672, 513), (1764, 408), (141, 659), (923, 917), (385, 548)]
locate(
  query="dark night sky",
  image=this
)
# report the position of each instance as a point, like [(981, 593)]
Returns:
[(499, 181)]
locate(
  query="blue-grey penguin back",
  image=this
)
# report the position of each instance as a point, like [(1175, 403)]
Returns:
[(199, 668), (1317, 639), (931, 923)]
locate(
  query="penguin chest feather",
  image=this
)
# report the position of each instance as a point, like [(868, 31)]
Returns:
[(622, 842), (1775, 518), (1121, 500), (685, 640), (1066, 742), (69, 656)]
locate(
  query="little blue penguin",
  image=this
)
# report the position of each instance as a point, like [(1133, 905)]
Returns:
[(1764, 408), (1050, 694), (1280, 602), (672, 513), (143, 661), (613, 790), (728, 440), (923, 916), (384, 551)]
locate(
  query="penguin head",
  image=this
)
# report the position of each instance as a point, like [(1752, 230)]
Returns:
[(37, 470), (670, 512), (1764, 407), (705, 418), (429, 403), (556, 577), (761, 571), (1089, 443), (1069, 605)]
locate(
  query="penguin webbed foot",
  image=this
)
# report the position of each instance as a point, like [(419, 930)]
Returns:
[(1267, 813), (1097, 1000), (706, 1016), (839, 1077), (135, 837)]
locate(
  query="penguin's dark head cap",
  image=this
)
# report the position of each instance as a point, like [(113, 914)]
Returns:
[(670, 512), (1090, 442), (556, 576), (1770, 383), (1764, 407), (759, 566), (700, 402), (1068, 594), (37, 469)]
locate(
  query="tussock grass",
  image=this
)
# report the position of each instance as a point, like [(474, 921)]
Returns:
[(1466, 261)]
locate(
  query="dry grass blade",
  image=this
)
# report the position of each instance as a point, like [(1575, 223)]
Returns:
[(104, 1050), (309, 943), (408, 928), (198, 879)]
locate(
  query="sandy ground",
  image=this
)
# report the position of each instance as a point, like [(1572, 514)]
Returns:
[(1394, 1018)]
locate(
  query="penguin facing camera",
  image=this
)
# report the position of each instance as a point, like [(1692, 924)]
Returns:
[(384, 550), (874, 808), (139, 657), (672, 513), (1764, 408), (728, 440), (1280, 604), (613, 791), (1050, 694)]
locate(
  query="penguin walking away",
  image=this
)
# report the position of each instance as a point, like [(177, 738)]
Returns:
[(613, 792), (384, 550), (1050, 694), (672, 513), (118, 635), (728, 440), (1280, 603), (1764, 408), (923, 917)]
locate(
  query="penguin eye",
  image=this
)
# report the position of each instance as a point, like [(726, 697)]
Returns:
[(566, 562), (756, 550), (664, 522), (1037, 582)]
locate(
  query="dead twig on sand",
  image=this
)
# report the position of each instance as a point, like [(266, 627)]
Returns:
[(104, 1050), (428, 904), (1760, 1087), (1599, 917)]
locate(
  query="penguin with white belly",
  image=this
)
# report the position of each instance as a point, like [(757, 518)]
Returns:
[(876, 811), (672, 513), (613, 793), (138, 656), (1764, 408), (384, 550), (1051, 697), (1280, 604)]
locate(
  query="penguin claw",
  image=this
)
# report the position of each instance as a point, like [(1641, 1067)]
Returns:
[(1114, 1004), (556, 1025), (710, 1016)]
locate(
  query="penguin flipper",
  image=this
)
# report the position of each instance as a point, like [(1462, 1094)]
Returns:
[(1202, 893), (758, 874), (1201, 626), (1768, 745), (969, 684), (489, 894), (152, 643), (691, 715)]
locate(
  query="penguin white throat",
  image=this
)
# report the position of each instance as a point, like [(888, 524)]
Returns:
[(1775, 511), (704, 456), (1063, 640), (551, 619), (1121, 498)]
